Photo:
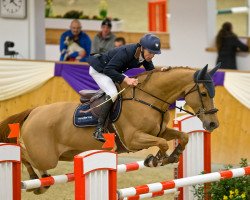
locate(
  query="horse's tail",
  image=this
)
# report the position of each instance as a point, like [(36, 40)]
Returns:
[(4, 128)]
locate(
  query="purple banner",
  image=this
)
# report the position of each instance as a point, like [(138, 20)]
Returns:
[(77, 76)]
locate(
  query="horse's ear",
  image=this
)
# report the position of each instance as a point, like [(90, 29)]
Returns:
[(212, 72), (201, 74)]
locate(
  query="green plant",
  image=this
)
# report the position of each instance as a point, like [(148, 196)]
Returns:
[(48, 8), (228, 189), (73, 14)]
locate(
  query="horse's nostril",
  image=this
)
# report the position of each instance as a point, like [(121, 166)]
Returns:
[(212, 125)]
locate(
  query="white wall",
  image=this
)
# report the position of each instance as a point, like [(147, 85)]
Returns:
[(192, 29), (28, 34)]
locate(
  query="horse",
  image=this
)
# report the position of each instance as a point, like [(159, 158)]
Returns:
[(48, 134)]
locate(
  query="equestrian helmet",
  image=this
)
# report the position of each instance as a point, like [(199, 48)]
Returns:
[(151, 43)]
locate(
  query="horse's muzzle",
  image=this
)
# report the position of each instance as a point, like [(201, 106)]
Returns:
[(210, 126)]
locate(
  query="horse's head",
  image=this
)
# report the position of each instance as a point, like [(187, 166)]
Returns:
[(200, 97)]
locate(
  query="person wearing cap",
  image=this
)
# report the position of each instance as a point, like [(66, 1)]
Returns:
[(108, 68), (104, 40), (75, 45)]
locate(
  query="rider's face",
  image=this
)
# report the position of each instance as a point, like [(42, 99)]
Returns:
[(148, 56)]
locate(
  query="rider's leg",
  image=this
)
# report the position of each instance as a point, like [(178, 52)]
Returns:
[(107, 85)]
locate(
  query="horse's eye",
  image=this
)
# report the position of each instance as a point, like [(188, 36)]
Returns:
[(204, 94)]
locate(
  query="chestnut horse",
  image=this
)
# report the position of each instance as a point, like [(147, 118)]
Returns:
[(48, 134)]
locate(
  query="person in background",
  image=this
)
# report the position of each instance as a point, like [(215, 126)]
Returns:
[(228, 44), (108, 68), (119, 41), (75, 45), (104, 40)]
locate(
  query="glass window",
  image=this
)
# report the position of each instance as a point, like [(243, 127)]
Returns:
[(234, 11)]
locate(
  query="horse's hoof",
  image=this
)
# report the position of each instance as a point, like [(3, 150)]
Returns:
[(37, 191), (150, 161), (173, 159)]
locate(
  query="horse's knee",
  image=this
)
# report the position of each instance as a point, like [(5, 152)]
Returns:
[(163, 145)]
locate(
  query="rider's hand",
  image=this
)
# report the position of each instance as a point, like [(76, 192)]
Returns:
[(131, 81)]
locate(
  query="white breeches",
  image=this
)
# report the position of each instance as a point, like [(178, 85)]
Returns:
[(104, 82)]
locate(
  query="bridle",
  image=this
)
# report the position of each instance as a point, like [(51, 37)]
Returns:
[(196, 87), (202, 109)]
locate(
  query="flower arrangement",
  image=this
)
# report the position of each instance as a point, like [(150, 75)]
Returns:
[(228, 189), (75, 14)]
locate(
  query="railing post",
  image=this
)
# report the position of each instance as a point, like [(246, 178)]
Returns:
[(95, 175), (197, 154), (10, 172)]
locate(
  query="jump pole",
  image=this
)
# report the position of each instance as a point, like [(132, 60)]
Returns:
[(193, 180), (10, 172)]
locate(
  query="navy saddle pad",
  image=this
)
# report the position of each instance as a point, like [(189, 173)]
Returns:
[(88, 119), (84, 119)]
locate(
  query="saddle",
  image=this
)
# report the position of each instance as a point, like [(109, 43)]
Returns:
[(87, 113)]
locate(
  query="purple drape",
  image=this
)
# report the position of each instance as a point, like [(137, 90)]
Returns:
[(78, 76)]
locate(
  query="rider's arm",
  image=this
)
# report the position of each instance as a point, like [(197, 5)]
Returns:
[(148, 65), (114, 68)]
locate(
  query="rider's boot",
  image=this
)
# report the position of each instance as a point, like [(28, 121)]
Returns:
[(102, 119)]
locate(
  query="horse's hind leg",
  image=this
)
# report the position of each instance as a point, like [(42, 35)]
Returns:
[(170, 134), (30, 169), (33, 175), (41, 190)]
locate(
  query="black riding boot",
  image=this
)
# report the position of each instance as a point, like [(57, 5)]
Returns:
[(102, 119)]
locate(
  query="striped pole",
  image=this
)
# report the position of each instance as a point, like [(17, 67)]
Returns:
[(153, 194), (233, 10), (193, 180), (51, 180), (135, 166)]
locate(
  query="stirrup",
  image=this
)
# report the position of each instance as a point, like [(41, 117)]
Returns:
[(98, 135)]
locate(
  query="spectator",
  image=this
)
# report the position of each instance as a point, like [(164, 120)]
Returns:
[(228, 43), (119, 41), (104, 40), (108, 68), (75, 45)]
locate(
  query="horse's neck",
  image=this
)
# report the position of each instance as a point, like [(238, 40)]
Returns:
[(169, 85)]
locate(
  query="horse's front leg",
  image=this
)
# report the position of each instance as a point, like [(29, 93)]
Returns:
[(171, 134), (141, 140)]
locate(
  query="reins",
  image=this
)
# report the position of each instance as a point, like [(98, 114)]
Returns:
[(193, 89)]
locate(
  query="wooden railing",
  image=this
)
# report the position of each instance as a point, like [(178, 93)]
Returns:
[(53, 36)]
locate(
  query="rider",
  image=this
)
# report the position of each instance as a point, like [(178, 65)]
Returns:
[(108, 68)]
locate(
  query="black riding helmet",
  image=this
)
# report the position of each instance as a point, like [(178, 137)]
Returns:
[(151, 43)]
